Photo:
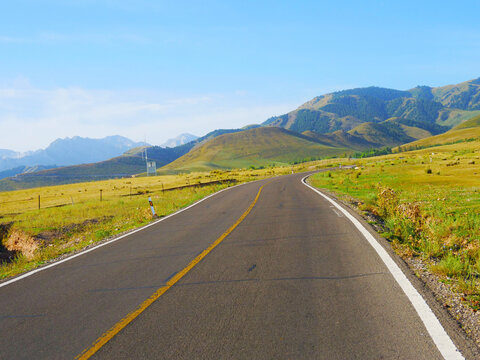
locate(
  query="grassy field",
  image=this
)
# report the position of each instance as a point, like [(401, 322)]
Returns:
[(429, 202), (72, 217)]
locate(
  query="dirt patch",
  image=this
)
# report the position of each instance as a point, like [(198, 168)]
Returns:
[(47, 237), (18, 241), (5, 254)]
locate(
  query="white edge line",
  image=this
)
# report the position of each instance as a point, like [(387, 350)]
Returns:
[(30, 273), (438, 334)]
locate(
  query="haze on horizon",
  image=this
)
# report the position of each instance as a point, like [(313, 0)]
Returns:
[(157, 69)]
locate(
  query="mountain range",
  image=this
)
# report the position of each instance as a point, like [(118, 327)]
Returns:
[(328, 125), (63, 152), (385, 117)]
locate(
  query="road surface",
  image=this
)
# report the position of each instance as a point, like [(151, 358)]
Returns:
[(294, 279)]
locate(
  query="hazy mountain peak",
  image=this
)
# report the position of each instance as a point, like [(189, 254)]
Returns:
[(179, 140), (69, 151)]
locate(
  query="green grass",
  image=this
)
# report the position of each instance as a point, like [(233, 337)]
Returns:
[(429, 201)]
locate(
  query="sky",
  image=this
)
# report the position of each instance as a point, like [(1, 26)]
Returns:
[(155, 69)]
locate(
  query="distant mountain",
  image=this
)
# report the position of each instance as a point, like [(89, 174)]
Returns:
[(130, 163), (23, 170), (69, 151), (5, 154), (179, 140), (254, 147), (422, 111)]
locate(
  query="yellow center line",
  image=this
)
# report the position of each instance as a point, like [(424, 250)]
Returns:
[(106, 337)]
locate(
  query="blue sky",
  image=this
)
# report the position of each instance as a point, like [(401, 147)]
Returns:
[(157, 69)]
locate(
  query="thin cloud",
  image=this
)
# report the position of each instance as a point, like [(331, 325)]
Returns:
[(47, 114)]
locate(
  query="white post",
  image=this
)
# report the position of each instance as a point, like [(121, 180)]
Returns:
[(151, 207)]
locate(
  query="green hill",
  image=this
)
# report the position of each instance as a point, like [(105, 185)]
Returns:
[(458, 134), (342, 139), (385, 133), (473, 122), (254, 147)]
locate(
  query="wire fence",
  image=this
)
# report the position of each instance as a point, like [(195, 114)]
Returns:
[(43, 201)]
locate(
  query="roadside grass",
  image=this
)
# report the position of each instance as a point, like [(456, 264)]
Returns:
[(429, 203), (72, 217)]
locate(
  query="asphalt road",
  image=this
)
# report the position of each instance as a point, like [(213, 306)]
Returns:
[(294, 280)]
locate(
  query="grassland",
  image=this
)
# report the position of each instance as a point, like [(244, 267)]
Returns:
[(429, 204), (72, 217)]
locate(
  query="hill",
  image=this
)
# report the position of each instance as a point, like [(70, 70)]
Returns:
[(254, 147), (342, 139), (418, 112), (473, 122), (467, 131)]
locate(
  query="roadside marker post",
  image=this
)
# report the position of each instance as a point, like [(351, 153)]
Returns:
[(151, 207)]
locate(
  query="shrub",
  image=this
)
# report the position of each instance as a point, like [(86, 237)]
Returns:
[(387, 201), (449, 266)]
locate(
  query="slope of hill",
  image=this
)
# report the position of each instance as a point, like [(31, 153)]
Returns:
[(473, 122), (458, 134), (342, 139), (385, 133), (421, 111), (254, 147), (23, 170)]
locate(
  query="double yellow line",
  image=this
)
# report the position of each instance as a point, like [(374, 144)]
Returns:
[(102, 340)]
